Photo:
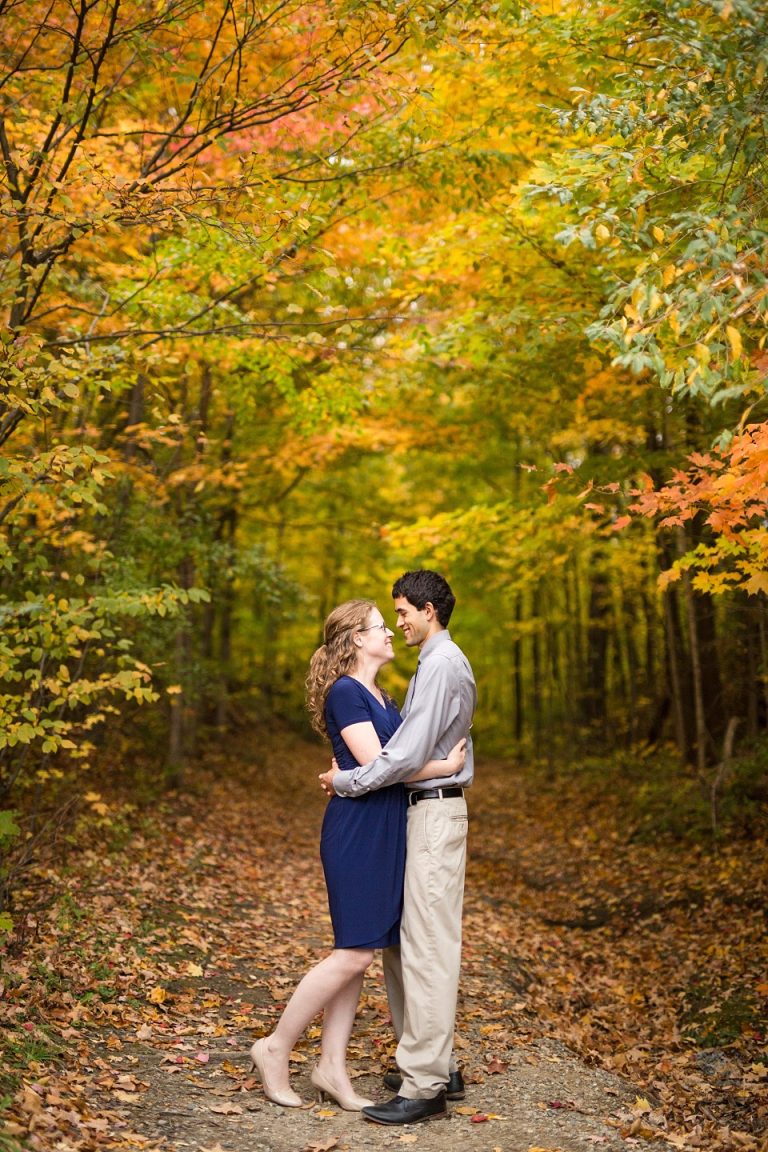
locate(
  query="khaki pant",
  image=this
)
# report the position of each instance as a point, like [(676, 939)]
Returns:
[(422, 975)]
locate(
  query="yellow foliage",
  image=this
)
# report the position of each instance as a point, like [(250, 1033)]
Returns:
[(734, 341)]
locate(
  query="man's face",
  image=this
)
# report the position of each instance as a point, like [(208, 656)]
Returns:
[(413, 622)]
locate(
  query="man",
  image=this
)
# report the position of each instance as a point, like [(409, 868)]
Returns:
[(422, 975)]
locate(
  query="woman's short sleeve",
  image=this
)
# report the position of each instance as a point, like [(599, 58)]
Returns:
[(347, 704)]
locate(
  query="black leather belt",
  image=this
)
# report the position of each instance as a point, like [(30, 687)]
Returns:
[(433, 794)]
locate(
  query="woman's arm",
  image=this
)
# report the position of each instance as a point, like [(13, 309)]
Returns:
[(453, 762), (362, 741)]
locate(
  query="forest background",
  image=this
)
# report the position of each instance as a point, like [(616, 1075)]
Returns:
[(297, 297)]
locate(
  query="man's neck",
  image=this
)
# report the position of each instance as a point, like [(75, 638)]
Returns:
[(434, 630)]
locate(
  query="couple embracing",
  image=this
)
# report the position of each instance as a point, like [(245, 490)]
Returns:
[(393, 848)]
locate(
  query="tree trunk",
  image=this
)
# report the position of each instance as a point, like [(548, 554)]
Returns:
[(677, 667), (632, 668), (174, 766), (593, 694), (702, 738), (536, 688), (180, 726), (675, 670), (135, 414), (226, 610), (761, 612), (517, 672)]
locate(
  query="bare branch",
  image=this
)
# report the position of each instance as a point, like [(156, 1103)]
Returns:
[(68, 81), (85, 116), (13, 69)]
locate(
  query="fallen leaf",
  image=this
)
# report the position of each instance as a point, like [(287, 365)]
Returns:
[(30, 1100), (100, 1124), (227, 1109), (12, 1129), (495, 1067), (127, 1081)]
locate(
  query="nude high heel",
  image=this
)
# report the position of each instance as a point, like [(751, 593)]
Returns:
[(350, 1103), (288, 1099)]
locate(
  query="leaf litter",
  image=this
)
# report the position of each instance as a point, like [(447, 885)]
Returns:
[(590, 962)]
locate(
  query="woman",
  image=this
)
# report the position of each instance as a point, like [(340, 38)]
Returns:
[(362, 848)]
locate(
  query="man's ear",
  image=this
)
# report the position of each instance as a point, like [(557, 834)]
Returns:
[(429, 610)]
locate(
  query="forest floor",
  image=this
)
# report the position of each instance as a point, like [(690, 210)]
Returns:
[(613, 993)]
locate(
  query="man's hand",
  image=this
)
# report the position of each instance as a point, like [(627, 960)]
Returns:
[(326, 779)]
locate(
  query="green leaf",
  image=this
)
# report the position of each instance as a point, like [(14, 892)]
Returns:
[(8, 826)]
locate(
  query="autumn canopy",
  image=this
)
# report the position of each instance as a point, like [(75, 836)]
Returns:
[(296, 297)]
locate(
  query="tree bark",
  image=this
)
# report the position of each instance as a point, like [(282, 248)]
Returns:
[(517, 672), (701, 741)]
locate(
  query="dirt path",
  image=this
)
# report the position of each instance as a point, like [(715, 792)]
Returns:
[(545, 1098), (181, 949)]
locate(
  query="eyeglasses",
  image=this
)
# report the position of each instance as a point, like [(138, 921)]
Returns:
[(384, 627)]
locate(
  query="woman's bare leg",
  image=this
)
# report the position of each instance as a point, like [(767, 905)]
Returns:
[(338, 1021), (339, 974)]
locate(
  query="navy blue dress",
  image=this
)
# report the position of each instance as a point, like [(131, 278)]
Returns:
[(362, 844)]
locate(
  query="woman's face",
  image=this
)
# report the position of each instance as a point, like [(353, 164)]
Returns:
[(376, 638)]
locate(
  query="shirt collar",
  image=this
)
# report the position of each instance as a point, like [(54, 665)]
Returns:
[(436, 641)]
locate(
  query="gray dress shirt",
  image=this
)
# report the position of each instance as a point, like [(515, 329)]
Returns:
[(437, 713)]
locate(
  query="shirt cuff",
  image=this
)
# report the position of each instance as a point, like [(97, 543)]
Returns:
[(341, 783)]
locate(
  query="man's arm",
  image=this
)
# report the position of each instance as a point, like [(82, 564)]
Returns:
[(440, 771), (435, 704)]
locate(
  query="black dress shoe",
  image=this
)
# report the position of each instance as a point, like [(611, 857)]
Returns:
[(402, 1111), (454, 1089)]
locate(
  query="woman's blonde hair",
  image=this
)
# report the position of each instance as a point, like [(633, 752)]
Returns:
[(336, 657)]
